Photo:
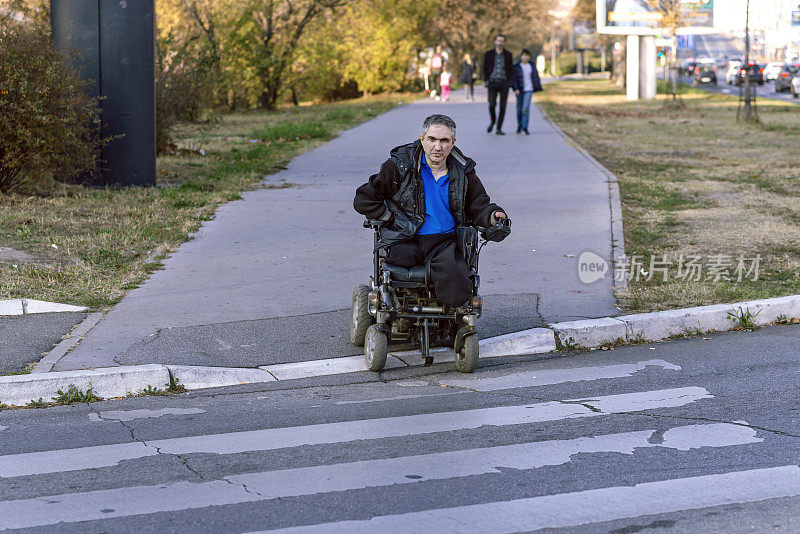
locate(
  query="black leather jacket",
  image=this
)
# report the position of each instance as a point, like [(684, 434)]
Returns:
[(396, 193)]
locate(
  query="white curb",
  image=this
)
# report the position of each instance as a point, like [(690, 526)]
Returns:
[(325, 367), (197, 377), (18, 390), (30, 306), (664, 324), (112, 382), (590, 332), (656, 326)]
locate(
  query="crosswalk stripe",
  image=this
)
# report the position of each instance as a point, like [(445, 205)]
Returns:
[(34, 463), (548, 377), (234, 489), (581, 508)]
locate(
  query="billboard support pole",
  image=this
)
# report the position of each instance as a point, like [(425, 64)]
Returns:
[(632, 67), (647, 67)]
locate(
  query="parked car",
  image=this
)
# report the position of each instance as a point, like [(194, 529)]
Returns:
[(794, 87), (733, 70), (784, 80), (753, 70), (772, 70), (705, 74)]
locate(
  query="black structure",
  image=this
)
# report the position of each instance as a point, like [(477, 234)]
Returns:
[(116, 44)]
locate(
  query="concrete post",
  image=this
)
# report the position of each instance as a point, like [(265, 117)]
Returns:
[(647, 67), (632, 67)]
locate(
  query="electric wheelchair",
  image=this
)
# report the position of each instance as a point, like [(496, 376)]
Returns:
[(399, 304)]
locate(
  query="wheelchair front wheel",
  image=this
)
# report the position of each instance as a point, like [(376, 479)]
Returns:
[(466, 352), (360, 319), (376, 346)]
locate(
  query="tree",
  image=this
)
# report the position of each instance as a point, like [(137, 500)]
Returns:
[(264, 37), (382, 40), (671, 20), (470, 25)]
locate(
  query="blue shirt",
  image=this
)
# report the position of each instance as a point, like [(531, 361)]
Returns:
[(438, 219)]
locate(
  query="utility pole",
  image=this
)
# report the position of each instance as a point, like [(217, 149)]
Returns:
[(746, 110)]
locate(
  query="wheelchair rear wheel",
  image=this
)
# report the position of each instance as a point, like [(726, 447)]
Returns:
[(360, 319), (376, 346), (466, 351)]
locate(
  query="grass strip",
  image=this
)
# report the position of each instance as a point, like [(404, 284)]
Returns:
[(705, 198), (88, 246)]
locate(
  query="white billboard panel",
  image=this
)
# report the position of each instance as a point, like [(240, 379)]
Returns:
[(641, 17)]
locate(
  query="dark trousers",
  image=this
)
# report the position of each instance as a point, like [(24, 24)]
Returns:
[(448, 268), (492, 93), (469, 90)]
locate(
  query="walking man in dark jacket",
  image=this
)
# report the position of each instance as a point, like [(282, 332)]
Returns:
[(498, 72), (526, 82), (425, 190)]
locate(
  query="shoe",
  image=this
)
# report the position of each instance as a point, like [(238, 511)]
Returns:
[(519, 129), (525, 131), (489, 129), (500, 132)]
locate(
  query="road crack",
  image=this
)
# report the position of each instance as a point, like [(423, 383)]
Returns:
[(184, 461)]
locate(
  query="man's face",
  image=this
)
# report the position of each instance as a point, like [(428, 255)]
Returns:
[(499, 41), (525, 58), (437, 142)]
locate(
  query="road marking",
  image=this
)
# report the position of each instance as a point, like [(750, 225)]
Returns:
[(583, 507), (34, 463), (555, 376), (400, 397), (130, 415), (235, 489)]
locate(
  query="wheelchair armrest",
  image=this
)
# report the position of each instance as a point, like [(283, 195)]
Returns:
[(374, 223)]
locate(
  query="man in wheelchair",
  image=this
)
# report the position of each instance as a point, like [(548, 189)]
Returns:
[(422, 204)]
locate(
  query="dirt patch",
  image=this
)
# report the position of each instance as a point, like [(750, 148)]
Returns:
[(9, 255)]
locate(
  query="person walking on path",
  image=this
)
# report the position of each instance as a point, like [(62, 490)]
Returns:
[(445, 81), (436, 63), (498, 72), (468, 75), (526, 82)]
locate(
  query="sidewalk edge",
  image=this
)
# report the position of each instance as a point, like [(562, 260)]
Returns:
[(110, 382)]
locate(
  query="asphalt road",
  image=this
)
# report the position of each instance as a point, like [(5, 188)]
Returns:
[(689, 436), (762, 91), (719, 45)]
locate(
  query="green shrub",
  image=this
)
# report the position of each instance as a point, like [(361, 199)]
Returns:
[(183, 88), (48, 121)]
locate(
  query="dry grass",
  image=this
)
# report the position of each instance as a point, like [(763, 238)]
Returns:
[(694, 182), (89, 246)]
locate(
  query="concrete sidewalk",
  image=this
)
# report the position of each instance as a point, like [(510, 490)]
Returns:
[(269, 279)]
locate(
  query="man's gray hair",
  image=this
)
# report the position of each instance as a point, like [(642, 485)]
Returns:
[(442, 120)]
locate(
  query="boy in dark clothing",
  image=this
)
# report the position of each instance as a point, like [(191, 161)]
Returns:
[(526, 82)]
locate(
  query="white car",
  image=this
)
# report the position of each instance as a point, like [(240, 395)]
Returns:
[(733, 70), (795, 86), (772, 70)]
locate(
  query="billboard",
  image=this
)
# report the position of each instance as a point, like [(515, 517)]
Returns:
[(642, 17)]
